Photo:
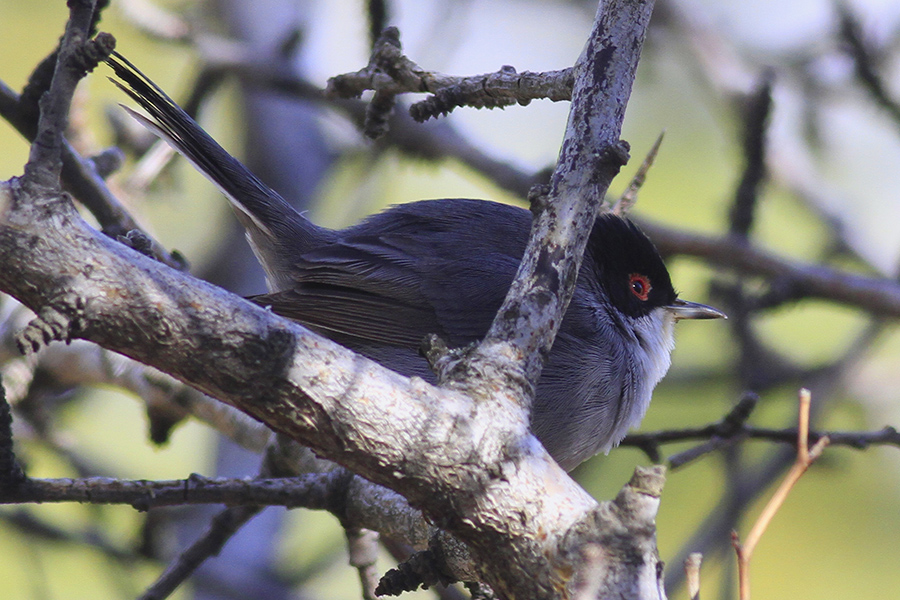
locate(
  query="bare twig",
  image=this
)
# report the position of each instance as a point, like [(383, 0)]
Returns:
[(755, 124), (77, 55), (860, 440), (81, 178), (390, 73), (692, 574), (52, 158), (751, 482), (865, 61), (879, 296), (362, 546), (805, 457), (227, 523), (629, 196), (733, 428), (310, 491), (790, 163), (11, 474), (378, 13), (222, 527)]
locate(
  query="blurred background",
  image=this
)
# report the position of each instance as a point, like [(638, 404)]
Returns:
[(832, 151)]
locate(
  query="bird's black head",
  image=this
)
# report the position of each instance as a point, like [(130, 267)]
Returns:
[(629, 267)]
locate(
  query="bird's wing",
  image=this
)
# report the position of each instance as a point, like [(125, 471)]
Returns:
[(393, 282), (353, 317)]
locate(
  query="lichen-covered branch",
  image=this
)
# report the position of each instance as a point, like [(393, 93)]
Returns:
[(466, 462), (589, 159), (390, 73)]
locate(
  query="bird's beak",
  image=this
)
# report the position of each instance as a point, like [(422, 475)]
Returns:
[(682, 309)]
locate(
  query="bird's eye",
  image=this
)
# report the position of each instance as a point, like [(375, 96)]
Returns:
[(640, 286)]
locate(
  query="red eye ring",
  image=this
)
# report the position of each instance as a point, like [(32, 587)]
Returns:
[(640, 286)]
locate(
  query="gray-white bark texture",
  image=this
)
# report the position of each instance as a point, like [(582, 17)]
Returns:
[(462, 453)]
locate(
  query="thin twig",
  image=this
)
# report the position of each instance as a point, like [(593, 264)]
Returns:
[(793, 167), (229, 521), (733, 428), (692, 574), (362, 546), (222, 527), (311, 491), (756, 120), (859, 440), (77, 55), (379, 15), (629, 196), (81, 179), (390, 73), (710, 536), (805, 457), (11, 473), (865, 61)]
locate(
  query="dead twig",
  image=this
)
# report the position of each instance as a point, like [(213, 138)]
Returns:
[(805, 457), (629, 196), (390, 73), (692, 574)]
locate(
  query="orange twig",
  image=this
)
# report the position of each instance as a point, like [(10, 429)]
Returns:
[(805, 457)]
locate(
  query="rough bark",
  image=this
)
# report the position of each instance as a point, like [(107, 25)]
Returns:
[(468, 461)]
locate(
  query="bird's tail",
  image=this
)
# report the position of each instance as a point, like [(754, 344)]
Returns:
[(268, 217)]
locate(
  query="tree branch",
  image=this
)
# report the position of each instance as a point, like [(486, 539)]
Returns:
[(590, 157), (81, 178), (390, 73), (11, 473), (733, 428), (879, 296), (308, 491), (77, 55), (865, 62), (471, 465)]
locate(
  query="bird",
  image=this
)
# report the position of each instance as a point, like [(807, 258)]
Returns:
[(443, 267)]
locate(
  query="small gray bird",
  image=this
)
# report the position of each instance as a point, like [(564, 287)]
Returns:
[(444, 267)]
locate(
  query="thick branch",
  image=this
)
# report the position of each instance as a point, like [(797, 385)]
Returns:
[(435, 442), (590, 157), (470, 465)]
